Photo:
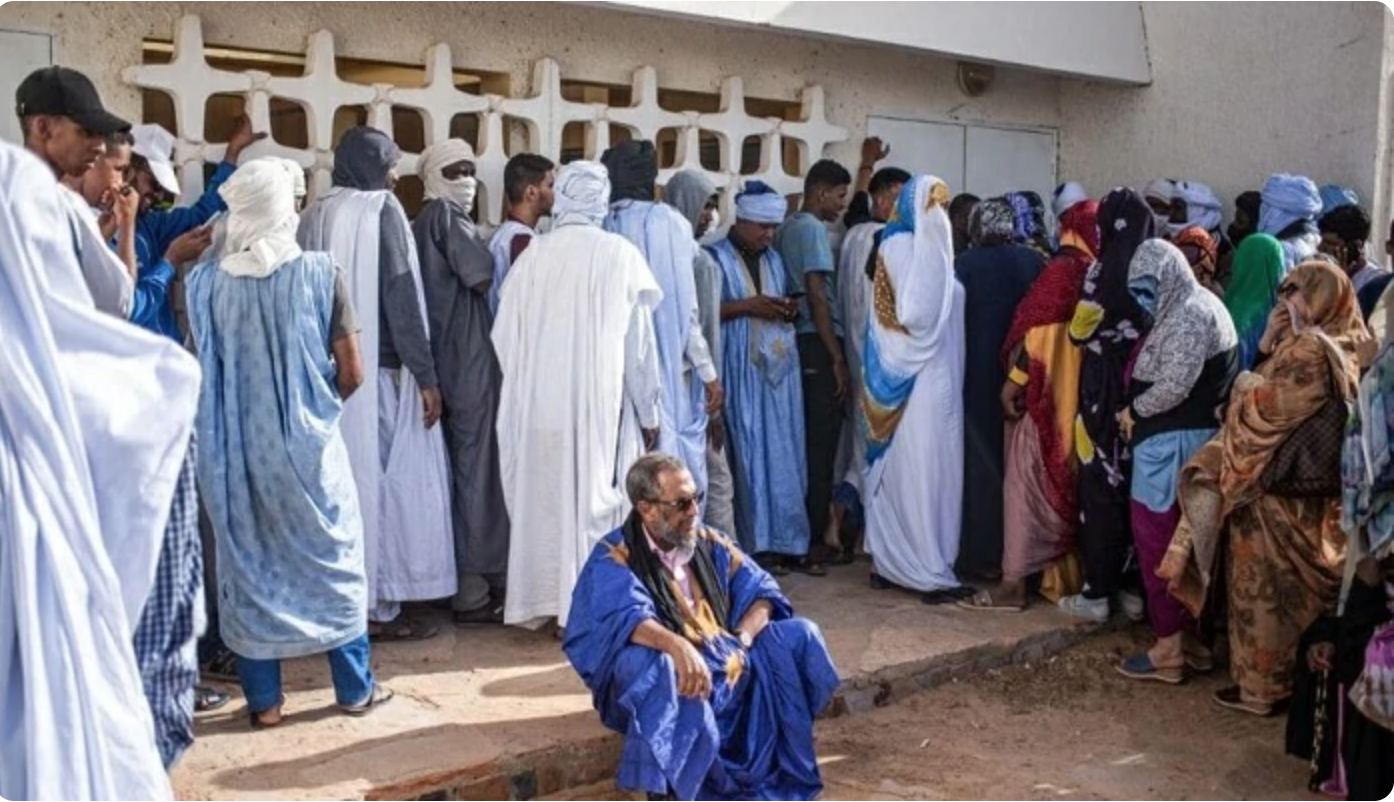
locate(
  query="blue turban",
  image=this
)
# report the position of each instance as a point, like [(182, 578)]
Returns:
[(1334, 196), (760, 203), (582, 194), (1287, 199)]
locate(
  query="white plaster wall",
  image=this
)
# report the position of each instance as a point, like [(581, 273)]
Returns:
[(1094, 40), (1242, 90), (590, 43)]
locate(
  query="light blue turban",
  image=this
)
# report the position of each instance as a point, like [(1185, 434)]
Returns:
[(1334, 196), (1287, 199), (760, 203), (582, 195)]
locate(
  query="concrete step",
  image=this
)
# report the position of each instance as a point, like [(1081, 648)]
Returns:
[(497, 713)]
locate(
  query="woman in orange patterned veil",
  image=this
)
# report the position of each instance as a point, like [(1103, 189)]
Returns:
[(1282, 556)]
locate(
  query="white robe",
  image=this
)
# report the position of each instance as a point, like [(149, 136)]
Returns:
[(95, 419), (575, 342), (400, 467), (914, 492), (104, 274), (854, 290)]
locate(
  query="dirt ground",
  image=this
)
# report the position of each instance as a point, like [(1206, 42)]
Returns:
[(1071, 728)]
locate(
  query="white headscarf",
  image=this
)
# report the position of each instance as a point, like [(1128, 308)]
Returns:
[(297, 176), (919, 256), (582, 195), (1067, 195), (760, 203), (1162, 189), (1202, 207), (261, 221), (435, 159)]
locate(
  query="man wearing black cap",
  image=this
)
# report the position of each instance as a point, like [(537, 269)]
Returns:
[(65, 124)]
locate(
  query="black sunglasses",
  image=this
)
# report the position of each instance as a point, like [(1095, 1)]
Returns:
[(682, 504)]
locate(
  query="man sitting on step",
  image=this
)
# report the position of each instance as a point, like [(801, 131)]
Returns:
[(691, 650)]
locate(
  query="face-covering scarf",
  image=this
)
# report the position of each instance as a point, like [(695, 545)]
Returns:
[(1160, 189), (1202, 207), (435, 159)]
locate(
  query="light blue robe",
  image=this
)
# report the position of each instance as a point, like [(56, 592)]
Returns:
[(665, 239), (764, 413), (272, 465)]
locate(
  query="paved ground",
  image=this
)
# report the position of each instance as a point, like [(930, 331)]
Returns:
[(474, 703), (1067, 728)]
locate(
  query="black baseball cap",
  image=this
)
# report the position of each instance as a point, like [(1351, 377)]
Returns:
[(65, 92)]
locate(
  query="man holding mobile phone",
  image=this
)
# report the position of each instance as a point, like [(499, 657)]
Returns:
[(1344, 232), (171, 239)]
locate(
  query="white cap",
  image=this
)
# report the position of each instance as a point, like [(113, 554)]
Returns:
[(156, 146)]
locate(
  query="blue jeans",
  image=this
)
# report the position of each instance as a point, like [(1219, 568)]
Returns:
[(348, 666)]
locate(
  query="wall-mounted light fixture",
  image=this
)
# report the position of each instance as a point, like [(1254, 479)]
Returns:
[(974, 79)]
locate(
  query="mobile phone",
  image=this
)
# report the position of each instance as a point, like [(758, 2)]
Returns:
[(797, 295)]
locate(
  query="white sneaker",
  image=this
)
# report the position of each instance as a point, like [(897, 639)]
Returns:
[(1132, 606), (1092, 610)]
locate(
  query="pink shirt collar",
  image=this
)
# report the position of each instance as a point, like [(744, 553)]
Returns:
[(675, 560)]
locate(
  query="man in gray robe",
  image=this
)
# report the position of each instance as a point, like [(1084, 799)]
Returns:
[(694, 196), (398, 459), (456, 272)]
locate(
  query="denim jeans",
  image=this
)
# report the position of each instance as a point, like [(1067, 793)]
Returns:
[(348, 666)]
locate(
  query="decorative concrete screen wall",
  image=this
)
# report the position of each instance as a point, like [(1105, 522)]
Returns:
[(189, 80)]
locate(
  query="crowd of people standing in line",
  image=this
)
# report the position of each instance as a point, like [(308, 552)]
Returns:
[(1201, 413), (1101, 402)]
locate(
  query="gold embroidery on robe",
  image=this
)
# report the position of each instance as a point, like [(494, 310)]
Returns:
[(737, 557), (699, 625), (938, 195), (883, 298), (620, 553), (735, 667)]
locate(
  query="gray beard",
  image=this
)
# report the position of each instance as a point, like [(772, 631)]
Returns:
[(667, 536)]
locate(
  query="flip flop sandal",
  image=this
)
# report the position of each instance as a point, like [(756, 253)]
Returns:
[(403, 629), (808, 567), (254, 717), (207, 699), (982, 602), (939, 597), (1140, 667), (380, 696), (1232, 699)]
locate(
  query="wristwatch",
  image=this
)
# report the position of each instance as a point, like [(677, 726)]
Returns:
[(746, 640)]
